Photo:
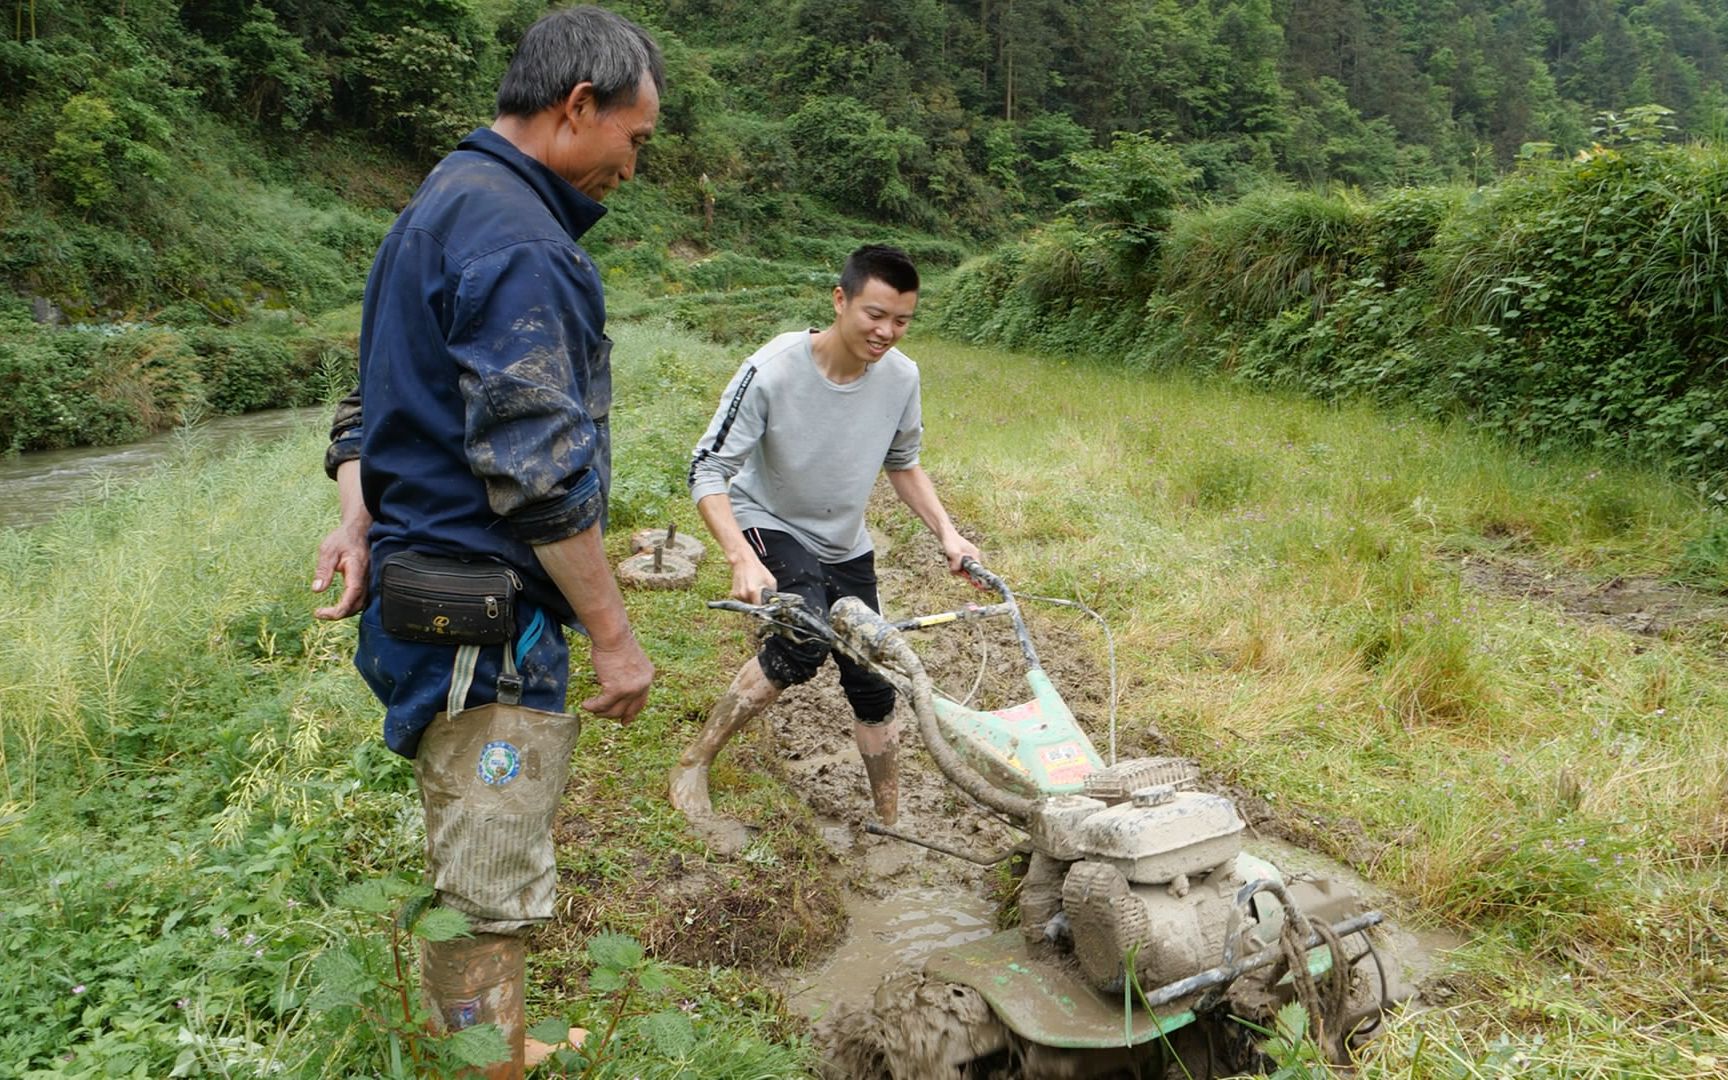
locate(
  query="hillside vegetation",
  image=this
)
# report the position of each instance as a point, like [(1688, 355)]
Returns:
[(191, 190)]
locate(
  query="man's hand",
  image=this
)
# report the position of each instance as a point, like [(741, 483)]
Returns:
[(956, 549), (750, 579), (344, 552), (624, 673)]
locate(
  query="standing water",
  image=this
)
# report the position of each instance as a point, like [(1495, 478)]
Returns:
[(36, 486)]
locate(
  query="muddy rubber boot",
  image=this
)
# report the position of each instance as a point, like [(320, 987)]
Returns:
[(479, 980), (750, 693), (879, 746)]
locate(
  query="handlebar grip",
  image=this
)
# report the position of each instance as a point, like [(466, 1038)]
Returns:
[(981, 577)]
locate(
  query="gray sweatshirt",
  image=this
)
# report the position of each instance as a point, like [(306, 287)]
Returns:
[(802, 453)]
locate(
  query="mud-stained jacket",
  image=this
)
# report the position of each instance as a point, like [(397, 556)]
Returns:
[(485, 373)]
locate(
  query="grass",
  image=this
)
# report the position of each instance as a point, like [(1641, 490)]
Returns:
[(1284, 584)]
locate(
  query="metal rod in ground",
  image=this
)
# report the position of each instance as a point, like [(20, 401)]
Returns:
[(876, 829), (1222, 974)]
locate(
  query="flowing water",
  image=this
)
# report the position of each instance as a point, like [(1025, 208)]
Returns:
[(38, 485)]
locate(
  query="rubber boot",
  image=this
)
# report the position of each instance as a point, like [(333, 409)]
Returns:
[(750, 693), (879, 746), (479, 980)]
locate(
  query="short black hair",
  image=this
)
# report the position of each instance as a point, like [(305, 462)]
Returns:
[(889, 265), (579, 45)]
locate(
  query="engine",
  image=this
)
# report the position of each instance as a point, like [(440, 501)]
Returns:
[(1139, 868)]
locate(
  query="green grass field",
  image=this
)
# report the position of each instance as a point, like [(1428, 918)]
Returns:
[(1378, 627)]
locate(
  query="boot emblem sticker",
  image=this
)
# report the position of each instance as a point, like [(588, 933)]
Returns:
[(499, 763)]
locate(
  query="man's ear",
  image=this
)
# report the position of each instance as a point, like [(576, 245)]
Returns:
[(839, 299), (580, 103)]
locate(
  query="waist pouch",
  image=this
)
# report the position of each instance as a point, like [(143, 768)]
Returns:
[(438, 600)]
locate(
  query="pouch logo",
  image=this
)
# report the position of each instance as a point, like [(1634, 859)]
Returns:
[(462, 1014), (500, 762), (440, 623)]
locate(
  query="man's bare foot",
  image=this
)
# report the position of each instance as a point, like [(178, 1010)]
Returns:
[(689, 790), (689, 795)]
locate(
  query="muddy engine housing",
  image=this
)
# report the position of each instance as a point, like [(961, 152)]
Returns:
[(1140, 865)]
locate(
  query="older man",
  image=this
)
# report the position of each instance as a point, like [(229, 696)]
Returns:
[(474, 493)]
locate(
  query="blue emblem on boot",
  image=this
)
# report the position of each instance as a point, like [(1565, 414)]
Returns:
[(499, 763)]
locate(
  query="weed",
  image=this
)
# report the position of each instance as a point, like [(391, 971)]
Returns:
[(365, 987)]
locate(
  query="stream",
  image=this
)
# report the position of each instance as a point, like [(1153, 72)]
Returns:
[(36, 486)]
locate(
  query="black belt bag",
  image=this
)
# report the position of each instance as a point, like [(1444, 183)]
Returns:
[(443, 601)]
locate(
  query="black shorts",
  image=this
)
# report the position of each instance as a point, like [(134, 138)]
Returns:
[(820, 584)]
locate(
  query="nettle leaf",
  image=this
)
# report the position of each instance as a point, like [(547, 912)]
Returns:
[(615, 950), (671, 1033), (442, 924), (341, 980), (656, 979), (552, 1030), (482, 1044), (1293, 1021), (606, 980), (376, 896)]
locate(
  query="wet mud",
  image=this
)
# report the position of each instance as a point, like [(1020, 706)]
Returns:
[(1645, 606)]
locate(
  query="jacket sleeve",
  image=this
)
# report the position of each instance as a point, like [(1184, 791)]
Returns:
[(527, 342), (734, 431), (345, 429)]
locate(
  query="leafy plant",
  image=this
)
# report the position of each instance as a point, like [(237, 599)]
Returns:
[(366, 987), (635, 992), (1297, 1056)]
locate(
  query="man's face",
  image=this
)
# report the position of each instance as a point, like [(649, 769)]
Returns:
[(597, 147), (874, 320)]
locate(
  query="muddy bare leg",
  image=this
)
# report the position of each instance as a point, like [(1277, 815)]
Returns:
[(879, 746), (750, 693)]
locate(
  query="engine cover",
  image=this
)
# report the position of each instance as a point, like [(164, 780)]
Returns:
[(1162, 834)]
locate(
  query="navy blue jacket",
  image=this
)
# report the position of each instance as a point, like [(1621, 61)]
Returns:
[(485, 373)]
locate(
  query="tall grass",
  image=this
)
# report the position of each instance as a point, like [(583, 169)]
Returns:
[(1571, 304), (1268, 252), (192, 770), (1283, 580)]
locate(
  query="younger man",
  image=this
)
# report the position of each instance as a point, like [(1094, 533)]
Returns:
[(781, 478)]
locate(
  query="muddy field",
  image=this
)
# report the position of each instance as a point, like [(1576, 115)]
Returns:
[(827, 932)]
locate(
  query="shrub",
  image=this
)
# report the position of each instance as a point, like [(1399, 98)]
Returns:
[(243, 370), (1274, 250), (849, 155)]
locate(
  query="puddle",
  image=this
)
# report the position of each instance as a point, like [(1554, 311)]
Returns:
[(1411, 954), (885, 935)]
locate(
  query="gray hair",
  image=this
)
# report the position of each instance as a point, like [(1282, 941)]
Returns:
[(579, 45)]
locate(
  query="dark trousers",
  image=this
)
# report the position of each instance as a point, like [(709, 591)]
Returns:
[(820, 584)]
